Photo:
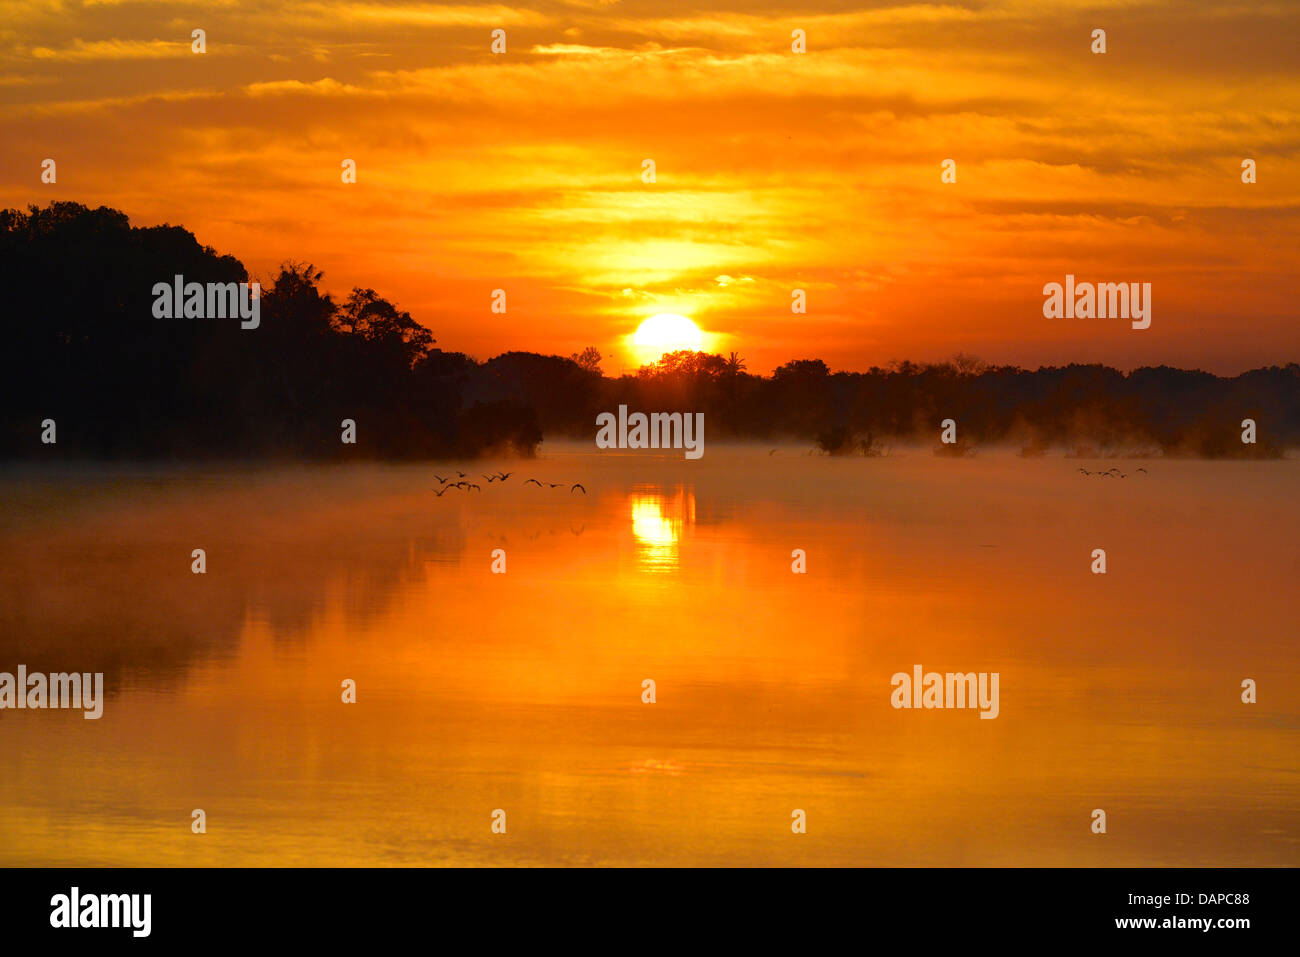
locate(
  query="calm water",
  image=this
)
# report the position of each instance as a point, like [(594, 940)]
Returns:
[(522, 691)]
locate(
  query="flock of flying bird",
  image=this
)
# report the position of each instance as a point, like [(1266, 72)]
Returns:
[(445, 485), (1111, 472)]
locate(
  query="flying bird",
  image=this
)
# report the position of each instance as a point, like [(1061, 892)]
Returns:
[(576, 486), (441, 480), (1143, 471), (443, 491), (490, 478), (535, 482), (1084, 471), (506, 475), (461, 474), (555, 484)]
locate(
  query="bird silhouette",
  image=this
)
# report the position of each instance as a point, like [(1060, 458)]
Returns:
[(577, 486), (461, 474), (471, 485), (490, 478), (443, 491), (441, 480), (1143, 471), (535, 482), (1084, 471), (555, 484), (506, 475)]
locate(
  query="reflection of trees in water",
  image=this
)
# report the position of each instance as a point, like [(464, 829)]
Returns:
[(128, 605)]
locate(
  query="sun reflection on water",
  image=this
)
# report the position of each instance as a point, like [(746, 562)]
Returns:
[(658, 519)]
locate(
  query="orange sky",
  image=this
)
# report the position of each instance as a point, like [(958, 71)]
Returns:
[(775, 170)]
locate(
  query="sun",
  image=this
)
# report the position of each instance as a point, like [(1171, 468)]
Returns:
[(666, 332)]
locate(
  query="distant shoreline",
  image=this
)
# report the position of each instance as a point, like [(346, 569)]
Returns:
[(93, 372)]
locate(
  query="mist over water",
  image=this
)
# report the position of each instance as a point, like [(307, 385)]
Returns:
[(522, 691)]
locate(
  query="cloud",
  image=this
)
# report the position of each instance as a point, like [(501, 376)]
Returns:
[(322, 87), (416, 15), (114, 50), (774, 169)]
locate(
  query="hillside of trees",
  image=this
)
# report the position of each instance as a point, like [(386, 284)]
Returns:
[(83, 348)]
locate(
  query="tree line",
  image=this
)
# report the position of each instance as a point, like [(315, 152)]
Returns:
[(83, 348)]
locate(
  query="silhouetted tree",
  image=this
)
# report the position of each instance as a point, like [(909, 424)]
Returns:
[(588, 359), (82, 346)]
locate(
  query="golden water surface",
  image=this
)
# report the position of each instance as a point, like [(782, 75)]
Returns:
[(522, 691)]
